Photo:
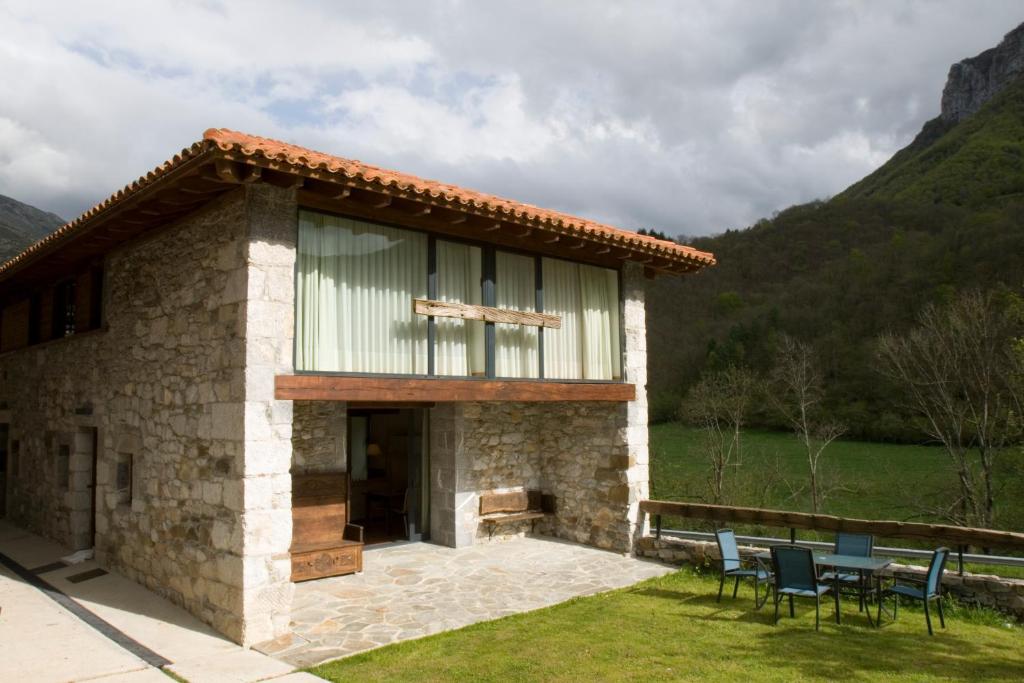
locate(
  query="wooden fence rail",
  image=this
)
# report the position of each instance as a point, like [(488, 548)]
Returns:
[(945, 534)]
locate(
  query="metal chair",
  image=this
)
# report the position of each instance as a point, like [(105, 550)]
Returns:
[(796, 577), (925, 590), (732, 566), (858, 545)]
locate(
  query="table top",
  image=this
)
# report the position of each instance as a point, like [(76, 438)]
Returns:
[(842, 561)]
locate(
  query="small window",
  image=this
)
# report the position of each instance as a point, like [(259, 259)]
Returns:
[(63, 466), (124, 478), (63, 310)]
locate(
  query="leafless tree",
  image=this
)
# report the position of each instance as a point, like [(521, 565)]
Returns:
[(961, 368), (798, 388), (719, 404)]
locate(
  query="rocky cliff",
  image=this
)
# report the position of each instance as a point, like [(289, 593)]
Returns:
[(974, 81)]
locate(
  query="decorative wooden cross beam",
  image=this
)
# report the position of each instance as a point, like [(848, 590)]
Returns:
[(450, 309)]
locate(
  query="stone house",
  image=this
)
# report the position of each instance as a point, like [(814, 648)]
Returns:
[(251, 311)]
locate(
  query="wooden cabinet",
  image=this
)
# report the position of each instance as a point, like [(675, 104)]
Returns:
[(323, 542)]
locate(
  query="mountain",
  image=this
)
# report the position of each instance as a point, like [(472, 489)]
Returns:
[(944, 214), (21, 225)]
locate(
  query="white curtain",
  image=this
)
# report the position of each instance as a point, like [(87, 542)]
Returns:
[(356, 283), (460, 343), (587, 346), (515, 346)]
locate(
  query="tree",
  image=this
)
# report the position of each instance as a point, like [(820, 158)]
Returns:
[(961, 371), (799, 388), (719, 404)]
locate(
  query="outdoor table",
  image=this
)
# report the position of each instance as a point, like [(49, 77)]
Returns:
[(865, 566)]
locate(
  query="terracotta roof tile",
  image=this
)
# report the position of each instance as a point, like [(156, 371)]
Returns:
[(250, 145), (229, 141)]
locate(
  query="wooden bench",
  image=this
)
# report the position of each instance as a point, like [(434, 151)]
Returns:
[(323, 542), (515, 506)]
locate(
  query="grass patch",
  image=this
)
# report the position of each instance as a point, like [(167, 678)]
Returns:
[(671, 628)]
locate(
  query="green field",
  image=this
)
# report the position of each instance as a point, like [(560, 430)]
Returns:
[(671, 628), (871, 480)]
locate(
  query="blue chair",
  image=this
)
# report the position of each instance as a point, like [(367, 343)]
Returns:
[(796, 577), (858, 545), (732, 566), (925, 590)]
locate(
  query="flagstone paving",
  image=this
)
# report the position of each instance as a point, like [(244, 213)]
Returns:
[(412, 590)]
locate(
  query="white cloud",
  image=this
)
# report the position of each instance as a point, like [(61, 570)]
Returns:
[(685, 117)]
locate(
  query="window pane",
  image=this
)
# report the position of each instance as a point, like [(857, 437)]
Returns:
[(587, 345), (515, 346), (354, 292), (460, 343)]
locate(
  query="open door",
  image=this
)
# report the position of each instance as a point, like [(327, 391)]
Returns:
[(4, 434), (386, 463)]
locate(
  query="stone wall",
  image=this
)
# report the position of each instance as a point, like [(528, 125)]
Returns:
[(592, 456), (183, 412), (318, 436), (1005, 595), (271, 223), (160, 384)]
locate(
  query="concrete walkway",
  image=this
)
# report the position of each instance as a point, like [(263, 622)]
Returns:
[(42, 640), (412, 590)]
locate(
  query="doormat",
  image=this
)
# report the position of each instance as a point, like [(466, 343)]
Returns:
[(85, 576)]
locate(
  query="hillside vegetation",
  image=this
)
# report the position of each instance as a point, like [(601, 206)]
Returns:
[(945, 214)]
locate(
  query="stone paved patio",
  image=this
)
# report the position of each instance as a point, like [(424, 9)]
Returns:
[(412, 590)]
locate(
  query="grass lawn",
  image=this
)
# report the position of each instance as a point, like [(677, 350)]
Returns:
[(672, 628)]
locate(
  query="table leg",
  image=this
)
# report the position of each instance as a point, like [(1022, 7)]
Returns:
[(839, 618)]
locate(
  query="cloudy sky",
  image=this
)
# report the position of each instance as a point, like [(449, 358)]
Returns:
[(689, 117)]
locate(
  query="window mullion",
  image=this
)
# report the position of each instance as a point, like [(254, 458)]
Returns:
[(538, 275), (489, 298), (432, 295)]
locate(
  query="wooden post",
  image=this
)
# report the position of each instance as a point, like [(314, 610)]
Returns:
[(657, 526), (960, 559), (792, 535)]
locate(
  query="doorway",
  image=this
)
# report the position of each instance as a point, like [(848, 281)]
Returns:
[(4, 434), (387, 457)]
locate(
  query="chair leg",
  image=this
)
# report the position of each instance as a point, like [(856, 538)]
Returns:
[(942, 618), (838, 615), (736, 588), (777, 600), (791, 612), (721, 584), (817, 613), (928, 617)]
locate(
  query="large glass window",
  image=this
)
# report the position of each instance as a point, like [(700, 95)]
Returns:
[(354, 312), (354, 292), (587, 345), (460, 343), (515, 288)]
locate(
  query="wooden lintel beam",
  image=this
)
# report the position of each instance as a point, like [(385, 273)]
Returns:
[(553, 239), (448, 309), (525, 233), (458, 218), (578, 245), (603, 250), (382, 202), (437, 390), (492, 227)]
